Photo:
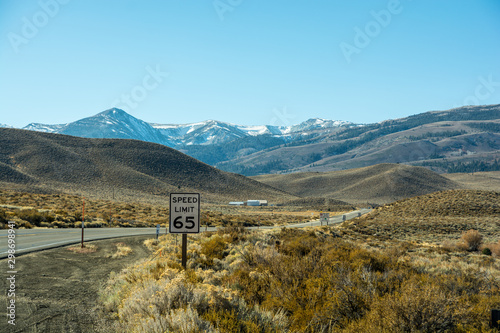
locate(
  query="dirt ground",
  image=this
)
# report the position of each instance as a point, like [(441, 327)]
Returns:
[(57, 290)]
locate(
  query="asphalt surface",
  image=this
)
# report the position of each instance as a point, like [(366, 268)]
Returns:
[(31, 240)]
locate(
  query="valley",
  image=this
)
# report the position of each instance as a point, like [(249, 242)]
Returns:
[(234, 166), (431, 238)]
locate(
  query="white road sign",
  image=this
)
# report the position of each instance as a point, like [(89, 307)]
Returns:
[(324, 217), (184, 213)]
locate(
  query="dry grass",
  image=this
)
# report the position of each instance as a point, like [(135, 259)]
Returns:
[(487, 181), (122, 250), (65, 211), (86, 249), (151, 244)]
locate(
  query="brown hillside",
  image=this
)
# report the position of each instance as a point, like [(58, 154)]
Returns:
[(435, 217), (95, 166), (380, 183), (487, 181), (322, 204), (447, 203)]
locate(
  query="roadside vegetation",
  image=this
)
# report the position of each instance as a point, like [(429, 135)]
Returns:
[(325, 279), (30, 210)]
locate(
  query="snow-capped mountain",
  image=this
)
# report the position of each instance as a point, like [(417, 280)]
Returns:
[(317, 123), (216, 132), (117, 124), (5, 126), (202, 133), (110, 124)]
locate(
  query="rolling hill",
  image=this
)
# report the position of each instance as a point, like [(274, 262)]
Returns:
[(437, 218), (99, 167), (463, 203), (379, 184)]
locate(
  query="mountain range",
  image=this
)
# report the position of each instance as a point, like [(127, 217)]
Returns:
[(463, 139), (117, 124), (136, 171)]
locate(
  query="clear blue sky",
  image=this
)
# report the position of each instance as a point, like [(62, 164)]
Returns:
[(245, 61)]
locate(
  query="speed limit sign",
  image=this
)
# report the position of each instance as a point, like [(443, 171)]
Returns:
[(184, 213)]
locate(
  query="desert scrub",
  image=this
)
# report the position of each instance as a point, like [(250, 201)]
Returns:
[(328, 285), (3, 216), (182, 301), (416, 307), (157, 295), (472, 240), (292, 280), (34, 217)]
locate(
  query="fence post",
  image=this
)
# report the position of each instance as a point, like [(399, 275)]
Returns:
[(495, 318)]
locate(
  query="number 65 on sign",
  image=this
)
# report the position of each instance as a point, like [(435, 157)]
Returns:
[(184, 213)]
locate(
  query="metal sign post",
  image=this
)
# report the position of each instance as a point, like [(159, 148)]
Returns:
[(184, 250), (324, 217), (184, 217), (83, 219), (157, 231)]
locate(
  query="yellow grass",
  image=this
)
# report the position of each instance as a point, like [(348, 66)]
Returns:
[(86, 249), (122, 250)]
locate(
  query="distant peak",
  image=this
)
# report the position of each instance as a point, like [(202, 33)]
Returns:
[(116, 114), (315, 120), (113, 111)]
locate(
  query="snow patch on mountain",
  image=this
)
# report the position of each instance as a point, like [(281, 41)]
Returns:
[(37, 127), (117, 124), (213, 132)]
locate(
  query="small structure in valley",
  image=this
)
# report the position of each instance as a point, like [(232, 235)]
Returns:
[(253, 203)]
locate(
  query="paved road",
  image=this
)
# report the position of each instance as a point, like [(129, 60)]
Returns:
[(30, 240), (333, 220)]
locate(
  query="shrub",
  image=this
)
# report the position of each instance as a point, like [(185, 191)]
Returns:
[(24, 224), (235, 232), (3, 216), (486, 251), (472, 240), (35, 217), (61, 224), (417, 307), (495, 248), (122, 250), (214, 247)]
